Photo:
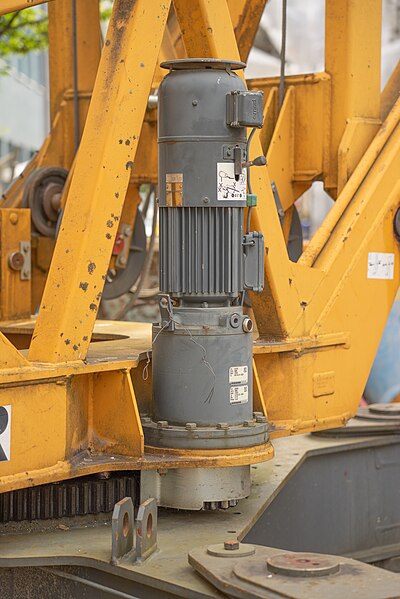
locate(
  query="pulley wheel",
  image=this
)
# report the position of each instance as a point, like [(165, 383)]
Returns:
[(42, 194), (120, 281)]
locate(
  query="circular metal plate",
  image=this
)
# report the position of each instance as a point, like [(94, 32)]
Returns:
[(302, 564), (202, 63), (220, 551), (120, 281), (380, 412), (39, 192), (388, 409)]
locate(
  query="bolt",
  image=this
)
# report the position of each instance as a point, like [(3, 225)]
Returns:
[(194, 102), (249, 423), (206, 200), (189, 426), (162, 423), (261, 419), (223, 426), (25, 248), (127, 231), (13, 218), (146, 420), (255, 414), (122, 259), (231, 545)]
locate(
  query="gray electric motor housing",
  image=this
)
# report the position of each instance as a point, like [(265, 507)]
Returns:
[(202, 346)]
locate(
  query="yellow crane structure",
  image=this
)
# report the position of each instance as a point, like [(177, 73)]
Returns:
[(74, 389)]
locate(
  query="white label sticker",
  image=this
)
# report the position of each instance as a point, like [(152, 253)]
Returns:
[(380, 265), (228, 188), (239, 394), (238, 374), (5, 433)]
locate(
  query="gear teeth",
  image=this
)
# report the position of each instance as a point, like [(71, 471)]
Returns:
[(75, 497)]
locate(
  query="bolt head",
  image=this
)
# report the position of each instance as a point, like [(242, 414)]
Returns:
[(190, 426), (122, 259), (222, 426), (231, 545), (249, 423), (162, 423), (261, 419), (13, 218)]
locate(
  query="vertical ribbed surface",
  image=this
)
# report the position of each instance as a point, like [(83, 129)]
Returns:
[(201, 250)]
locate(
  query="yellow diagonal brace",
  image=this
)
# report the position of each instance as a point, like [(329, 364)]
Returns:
[(11, 5), (207, 32), (103, 168)]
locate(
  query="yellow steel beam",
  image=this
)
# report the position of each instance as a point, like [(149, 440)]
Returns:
[(101, 176), (352, 59), (246, 15), (207, 32), (11, 5), (61, 64), (58, 149), (391, 92)]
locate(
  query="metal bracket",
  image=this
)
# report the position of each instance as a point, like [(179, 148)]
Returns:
[(125, 544), (146, 529), (122, 529), (166, 311), (25, 249)]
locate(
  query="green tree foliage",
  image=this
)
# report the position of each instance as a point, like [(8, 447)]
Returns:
[(26, 30)]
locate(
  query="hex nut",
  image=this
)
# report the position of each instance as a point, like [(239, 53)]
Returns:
[(222, 426), (261, 419), (249, 423), (162, 423), (190, 426)]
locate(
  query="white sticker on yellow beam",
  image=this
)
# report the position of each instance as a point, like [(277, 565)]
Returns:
[(5, 433), (380, 265)]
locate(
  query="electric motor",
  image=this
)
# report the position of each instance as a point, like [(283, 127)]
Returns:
[(202, 346)]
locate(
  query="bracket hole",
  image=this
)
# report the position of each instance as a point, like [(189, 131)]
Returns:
[(149, 526), (125, 525)]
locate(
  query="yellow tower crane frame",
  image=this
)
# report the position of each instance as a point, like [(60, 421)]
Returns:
[(75, 404)]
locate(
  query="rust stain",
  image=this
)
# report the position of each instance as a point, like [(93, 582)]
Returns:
[(91, 267), (83, 286)]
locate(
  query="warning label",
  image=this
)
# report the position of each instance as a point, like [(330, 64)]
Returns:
[(230, 187), (5, 433), (239, 394), (238, 374)]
